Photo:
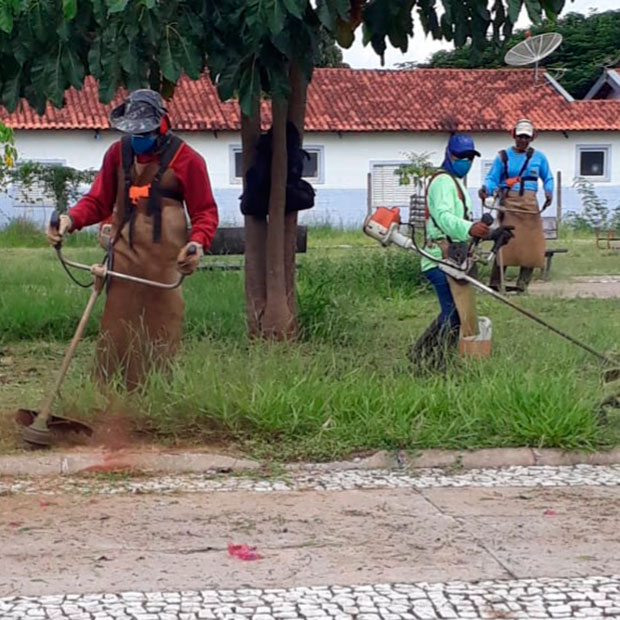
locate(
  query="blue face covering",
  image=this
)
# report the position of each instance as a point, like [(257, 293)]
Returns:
[(461, 167), (142, 144)]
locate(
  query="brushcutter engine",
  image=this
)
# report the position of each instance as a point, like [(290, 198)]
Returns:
[(383, 226)]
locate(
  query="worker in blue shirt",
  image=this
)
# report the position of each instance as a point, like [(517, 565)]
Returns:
[(515, 176)]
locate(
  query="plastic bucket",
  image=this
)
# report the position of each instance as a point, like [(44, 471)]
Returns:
[(480, 345)]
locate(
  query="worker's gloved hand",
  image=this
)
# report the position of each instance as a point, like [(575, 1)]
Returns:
[(479, 230), (189, 257), (502, 232), (548, 200), (55, 235), (483, 193)]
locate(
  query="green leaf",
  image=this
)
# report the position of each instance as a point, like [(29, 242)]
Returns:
[(343, 8), (170, 68), (73, 68), (227, 81), (276, 17), (249, 89), (64, 31), (534, 11), (110, 75), (326, 15), (296, 8), (190, 58), (69, 8), (6, 16), (152, 27), (279, 85), (116, 6), (514, 8), (39, 21), (94, 59), (10, 90)]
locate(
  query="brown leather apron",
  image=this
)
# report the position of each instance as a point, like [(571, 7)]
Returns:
[(527, 248), (141, 325), (464, 299)]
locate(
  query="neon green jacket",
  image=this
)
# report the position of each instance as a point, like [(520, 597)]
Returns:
[(446, 209)]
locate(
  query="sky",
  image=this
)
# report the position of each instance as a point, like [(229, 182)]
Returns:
[(420, 48)]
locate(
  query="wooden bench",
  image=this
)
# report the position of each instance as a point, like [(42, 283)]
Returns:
[(550, 229), (610, 238), (230, 241)]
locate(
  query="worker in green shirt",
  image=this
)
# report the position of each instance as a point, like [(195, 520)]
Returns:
[(448, 222)]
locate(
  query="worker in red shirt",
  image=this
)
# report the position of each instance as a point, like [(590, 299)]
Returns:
[(141, 189)]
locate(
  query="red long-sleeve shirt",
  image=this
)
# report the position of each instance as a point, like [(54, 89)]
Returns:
[(191, 171)]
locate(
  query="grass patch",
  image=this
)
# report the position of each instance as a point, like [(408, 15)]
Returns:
[(23, 233), (346, 386)]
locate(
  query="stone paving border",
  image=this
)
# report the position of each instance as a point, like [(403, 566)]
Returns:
[(68, 463), (344, 480), (591, 597)]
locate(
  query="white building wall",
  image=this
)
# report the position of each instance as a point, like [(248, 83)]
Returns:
[(348, 158)]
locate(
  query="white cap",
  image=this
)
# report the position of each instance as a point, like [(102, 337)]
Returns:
[(524, 127)]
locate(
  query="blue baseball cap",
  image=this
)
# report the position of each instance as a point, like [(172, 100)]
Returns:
[(461, 145)]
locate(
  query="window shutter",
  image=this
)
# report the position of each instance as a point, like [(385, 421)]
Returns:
[(386, 191)]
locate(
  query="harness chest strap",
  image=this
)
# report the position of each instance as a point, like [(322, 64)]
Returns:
[(153, 192), (512, 181), (137, 192)]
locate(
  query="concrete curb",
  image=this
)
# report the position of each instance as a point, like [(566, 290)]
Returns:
[(71, 463)]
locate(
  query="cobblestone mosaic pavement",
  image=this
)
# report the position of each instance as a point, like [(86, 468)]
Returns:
[(595, 597), (543, 476), (589, 597)]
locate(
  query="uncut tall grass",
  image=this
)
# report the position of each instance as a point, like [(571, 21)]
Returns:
[(346, 385)]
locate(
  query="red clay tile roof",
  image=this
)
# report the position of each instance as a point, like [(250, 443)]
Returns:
[(351, 100)]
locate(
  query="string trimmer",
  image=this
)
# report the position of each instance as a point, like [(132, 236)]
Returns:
[(40, 427), (383, 226)]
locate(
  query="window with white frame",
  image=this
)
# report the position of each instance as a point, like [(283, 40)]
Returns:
[(593, 161), (35, 194), (313, 164), (386, 189)]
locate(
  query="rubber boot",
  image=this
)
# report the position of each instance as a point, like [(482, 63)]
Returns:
[(433, 348), (525, 277), (496, 281)]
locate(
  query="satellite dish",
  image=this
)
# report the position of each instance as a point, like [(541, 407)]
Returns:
[(533, 49)]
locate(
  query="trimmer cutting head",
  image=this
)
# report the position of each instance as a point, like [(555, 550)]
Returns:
[(37, 438), (43, 436)]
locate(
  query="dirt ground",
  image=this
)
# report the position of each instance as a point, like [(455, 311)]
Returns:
[(599, 287), (97, 543)]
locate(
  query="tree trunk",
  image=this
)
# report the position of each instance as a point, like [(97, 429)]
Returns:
[(255, 234), (296, 115), (278, 321)]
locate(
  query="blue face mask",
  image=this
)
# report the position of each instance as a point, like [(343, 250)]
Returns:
[(461, 167), (142, 144)]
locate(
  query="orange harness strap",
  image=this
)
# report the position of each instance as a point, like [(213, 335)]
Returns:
[(138, 191)]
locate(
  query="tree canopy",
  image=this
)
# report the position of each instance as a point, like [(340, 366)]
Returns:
[(46, 46), (590, 42)]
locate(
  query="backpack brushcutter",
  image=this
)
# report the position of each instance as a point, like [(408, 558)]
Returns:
[(383, 226), (40, 427)]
